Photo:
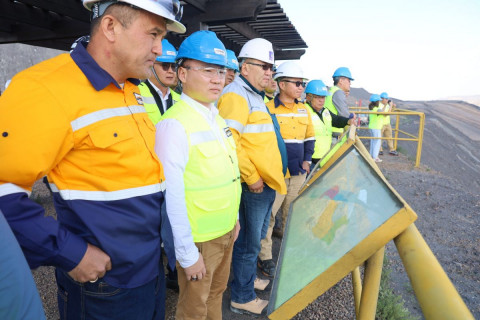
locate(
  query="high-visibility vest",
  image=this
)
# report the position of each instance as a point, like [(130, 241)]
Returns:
[(323, 132), (375, 121), (386, 108), (211, 177), (331, 107), (150, 104)]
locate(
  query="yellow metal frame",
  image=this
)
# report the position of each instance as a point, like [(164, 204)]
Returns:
[(436, 294), (374, 242), (399, 112)]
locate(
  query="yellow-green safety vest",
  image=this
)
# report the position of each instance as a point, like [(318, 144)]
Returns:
[(323, 132), (375, 121), (331, 107), (387, 108), (151, 105), (211, 177)]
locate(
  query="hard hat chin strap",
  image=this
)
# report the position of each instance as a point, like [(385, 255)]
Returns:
[(157, 78)]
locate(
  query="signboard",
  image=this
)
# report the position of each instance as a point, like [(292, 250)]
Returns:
[(346, 212)]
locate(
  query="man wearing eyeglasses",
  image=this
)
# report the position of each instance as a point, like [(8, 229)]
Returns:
[(298, 133), (156, 92), (198, 153), (262, 160)]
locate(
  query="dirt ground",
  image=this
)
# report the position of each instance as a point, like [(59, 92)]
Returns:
[(444, 192)]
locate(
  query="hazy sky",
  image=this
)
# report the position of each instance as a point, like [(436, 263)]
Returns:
[(413, 49)]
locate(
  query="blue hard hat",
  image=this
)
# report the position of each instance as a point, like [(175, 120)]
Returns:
[(232, 62), (203, 46), (375, 98), (343, 72), (169, 53), (384, 95), (317, 87)]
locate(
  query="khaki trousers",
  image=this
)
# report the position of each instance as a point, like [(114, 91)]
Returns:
[(387, 133), (202, 299), (294, 183)]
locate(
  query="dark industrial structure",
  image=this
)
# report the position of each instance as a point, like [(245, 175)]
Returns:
[(57, 23)]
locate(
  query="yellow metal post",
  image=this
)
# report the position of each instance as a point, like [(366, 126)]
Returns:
[(435, 293), (420, 139), (397, 126), (371, 286), (357, 289)]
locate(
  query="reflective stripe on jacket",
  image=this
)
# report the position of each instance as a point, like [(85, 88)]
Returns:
[(211, 177), (257, 149), (375, 121), (323, 132)]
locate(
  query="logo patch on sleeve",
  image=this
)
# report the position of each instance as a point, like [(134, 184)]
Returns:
[(139, 98), (228, 133)]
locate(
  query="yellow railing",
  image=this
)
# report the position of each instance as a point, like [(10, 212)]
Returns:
[(398, 112)]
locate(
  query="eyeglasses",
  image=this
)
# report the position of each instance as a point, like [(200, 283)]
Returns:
[(167, 65), (297, 83), (209, 72), (265, 67)]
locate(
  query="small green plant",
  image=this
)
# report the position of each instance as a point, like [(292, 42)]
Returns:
[(390, 306)]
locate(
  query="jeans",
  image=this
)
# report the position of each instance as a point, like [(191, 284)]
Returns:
[(254, 217), (101, 301), (375, 143)]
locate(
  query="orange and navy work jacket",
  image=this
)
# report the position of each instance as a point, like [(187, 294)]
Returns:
[(297, 131), (67, 118)]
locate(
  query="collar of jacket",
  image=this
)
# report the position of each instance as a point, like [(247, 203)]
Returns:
[(279, 103), (261, 93), (98, 77)]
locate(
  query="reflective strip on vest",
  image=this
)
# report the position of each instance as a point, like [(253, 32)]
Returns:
[(10, 188), (201, 137), (296, 115), (258, 128), (100, 115), (109, 195)]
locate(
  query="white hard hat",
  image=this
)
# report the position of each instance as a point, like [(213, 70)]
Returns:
[(259, 49), (289, 69), (171, 10)]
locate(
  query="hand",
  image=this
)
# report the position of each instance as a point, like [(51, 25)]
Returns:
[(196, 271), (257, 187), (94, 264), (237, 230), (306, 166), (351, 122)]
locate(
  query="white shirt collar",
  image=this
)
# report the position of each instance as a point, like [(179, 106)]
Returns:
[(160, 93), (209, 111)]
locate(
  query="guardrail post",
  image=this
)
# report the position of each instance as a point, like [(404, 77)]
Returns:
[(371, 286), (397, 126), (357, 289), (435, 293), (420, 139)]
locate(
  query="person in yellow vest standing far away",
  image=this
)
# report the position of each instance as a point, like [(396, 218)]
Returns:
[(336, 102), (156, 93), (79, 119), (232, 67), (322, 119), (262, 159), (375, 123), (387, 106), (203, 181), (299, 136)]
